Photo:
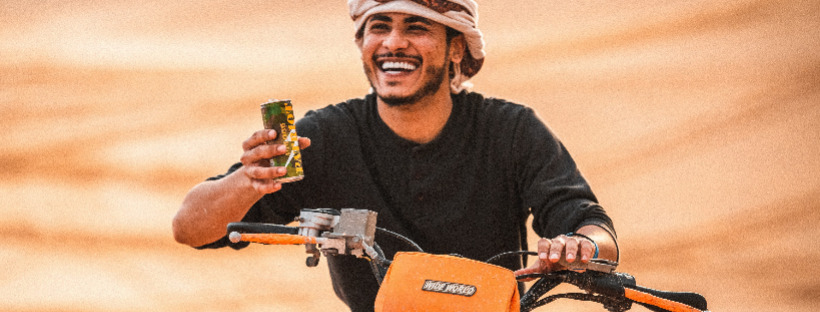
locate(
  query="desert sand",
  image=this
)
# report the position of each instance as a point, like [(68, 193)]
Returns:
[(696, 122)]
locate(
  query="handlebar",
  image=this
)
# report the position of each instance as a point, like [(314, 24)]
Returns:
[(269, 228), (666, 300), (273, 239), (615, 291)]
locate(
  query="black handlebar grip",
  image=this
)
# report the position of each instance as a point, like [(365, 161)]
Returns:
[(608, 284), (263, 228), (688, 298)]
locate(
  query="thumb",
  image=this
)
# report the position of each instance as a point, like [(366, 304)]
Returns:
[(525, 271), (536, 268)]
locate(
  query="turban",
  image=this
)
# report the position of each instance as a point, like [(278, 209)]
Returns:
[(461, 15)]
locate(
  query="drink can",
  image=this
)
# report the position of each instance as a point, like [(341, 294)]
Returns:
[(278, 115)]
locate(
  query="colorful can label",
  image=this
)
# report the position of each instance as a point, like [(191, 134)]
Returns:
[(278, 115)]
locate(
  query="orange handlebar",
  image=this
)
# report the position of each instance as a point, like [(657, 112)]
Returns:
[(277, 239), (670, 305)]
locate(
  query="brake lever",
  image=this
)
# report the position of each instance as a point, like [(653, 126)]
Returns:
[(602, 265), (597, 264)]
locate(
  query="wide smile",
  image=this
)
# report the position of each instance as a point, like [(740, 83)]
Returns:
[(397, 65)]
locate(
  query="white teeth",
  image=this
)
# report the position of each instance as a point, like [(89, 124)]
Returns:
[(388, 66)]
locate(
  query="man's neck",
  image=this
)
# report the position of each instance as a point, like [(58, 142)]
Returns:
[(420, 122)]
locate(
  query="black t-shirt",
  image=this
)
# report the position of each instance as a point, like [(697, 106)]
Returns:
[(469, 191)]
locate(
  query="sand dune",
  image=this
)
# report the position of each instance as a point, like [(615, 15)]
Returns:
[(695, 121)]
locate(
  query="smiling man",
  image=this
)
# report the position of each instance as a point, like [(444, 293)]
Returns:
[(404, 58), (453, 170)]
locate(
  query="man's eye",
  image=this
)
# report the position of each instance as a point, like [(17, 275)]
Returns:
[(379, 27), (417, 28)]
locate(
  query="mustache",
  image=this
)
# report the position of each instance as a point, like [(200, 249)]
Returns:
[(399, 54)]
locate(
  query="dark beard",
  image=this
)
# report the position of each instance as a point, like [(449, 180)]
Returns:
[(437, 75), (432, 86)]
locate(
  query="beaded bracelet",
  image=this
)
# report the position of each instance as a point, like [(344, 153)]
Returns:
[(595, 256)]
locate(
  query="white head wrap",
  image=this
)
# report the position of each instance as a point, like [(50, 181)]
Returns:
[(461, 15)]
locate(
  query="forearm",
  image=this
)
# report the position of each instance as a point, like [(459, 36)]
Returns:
[(210, 206)]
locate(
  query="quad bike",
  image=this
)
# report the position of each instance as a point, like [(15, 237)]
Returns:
[(419, 281)]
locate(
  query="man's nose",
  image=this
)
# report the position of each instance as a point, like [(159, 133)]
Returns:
[(395, 41)]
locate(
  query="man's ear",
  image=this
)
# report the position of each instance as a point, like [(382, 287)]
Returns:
[(457, 48), (358, 42)]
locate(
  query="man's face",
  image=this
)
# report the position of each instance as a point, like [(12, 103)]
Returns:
[(405, 57)]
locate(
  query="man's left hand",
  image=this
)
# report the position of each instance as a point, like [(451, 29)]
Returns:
[(551, 251)]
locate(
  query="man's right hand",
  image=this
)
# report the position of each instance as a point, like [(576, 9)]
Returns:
[(211, 205), (256, 156)]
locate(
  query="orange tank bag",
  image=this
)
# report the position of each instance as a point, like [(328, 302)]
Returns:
[(425, 282)]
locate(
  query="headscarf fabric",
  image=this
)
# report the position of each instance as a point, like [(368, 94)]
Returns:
[(461, 15)]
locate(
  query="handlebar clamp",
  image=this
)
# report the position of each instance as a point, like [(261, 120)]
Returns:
[(349, 232)]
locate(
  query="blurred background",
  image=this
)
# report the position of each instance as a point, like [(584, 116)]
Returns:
[(695, 121)]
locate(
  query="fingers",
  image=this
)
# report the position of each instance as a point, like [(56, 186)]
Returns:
[(257, 151), (560, 253), (266, 186), (263, 136), (262, 178), (552, 249), (557, 248), (260, 154), (304, 142), (550, 252), (544, 248), (264, 173), (256, 160), (570, 248), (587, 250), (258, 138)]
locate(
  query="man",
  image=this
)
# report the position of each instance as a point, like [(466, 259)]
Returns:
[(452, 170)]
